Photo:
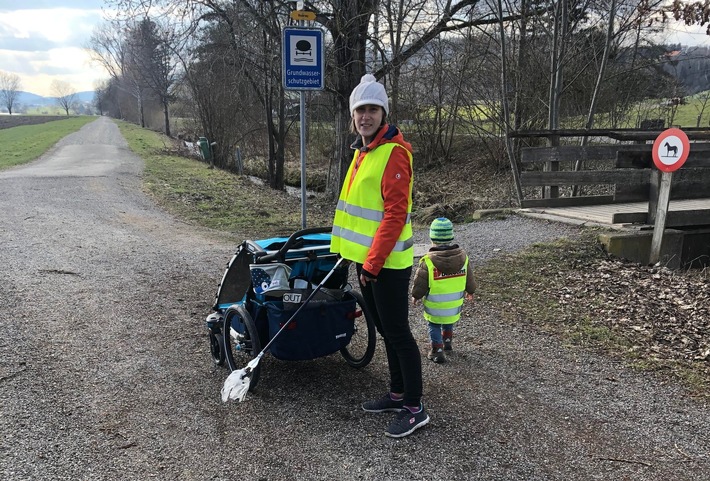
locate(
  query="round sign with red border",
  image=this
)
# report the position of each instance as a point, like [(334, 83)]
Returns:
[(670, 150)]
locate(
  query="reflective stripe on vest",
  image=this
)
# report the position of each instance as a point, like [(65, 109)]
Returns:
[(360, 210), (365, 241), (368, 214), (443, 303)]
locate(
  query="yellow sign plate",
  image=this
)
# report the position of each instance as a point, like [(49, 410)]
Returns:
[(303, 15)]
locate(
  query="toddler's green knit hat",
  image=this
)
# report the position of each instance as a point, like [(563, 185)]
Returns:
[(441, 231)]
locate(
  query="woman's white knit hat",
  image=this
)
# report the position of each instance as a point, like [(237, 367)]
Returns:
[(369, 92)]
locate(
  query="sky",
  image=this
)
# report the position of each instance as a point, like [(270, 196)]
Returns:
[(43, 40), (677, 32)]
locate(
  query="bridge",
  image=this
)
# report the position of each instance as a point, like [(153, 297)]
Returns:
[(607, 178)]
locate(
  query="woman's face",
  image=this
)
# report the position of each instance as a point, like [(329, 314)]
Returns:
[(367, 120)]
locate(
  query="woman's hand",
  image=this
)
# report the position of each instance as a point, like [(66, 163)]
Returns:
[(364, 279)]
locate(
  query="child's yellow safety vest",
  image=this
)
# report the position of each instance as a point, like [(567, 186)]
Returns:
[(443, 303)]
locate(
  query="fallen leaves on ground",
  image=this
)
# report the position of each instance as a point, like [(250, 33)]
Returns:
[(657, 317), (661, 312)]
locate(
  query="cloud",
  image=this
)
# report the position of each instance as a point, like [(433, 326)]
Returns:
[(38, 69), (25, 44), (41, 42), (47, 4), (59, 27), (688, 35), (53, 62)]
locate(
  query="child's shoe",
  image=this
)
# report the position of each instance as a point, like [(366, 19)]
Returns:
[(448, 344), (436, 354)]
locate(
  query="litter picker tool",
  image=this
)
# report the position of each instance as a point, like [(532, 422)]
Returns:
[(237, 383)]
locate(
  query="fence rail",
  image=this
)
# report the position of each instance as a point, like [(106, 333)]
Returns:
[(623, 171)]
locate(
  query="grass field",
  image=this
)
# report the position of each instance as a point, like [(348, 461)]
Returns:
[(687, 115), (25, 143), (46, 110), (215, 198)]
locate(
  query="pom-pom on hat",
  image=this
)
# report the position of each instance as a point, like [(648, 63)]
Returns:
[(369, 92), (441, 231)]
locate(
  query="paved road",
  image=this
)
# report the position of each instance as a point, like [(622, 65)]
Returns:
[(105, 372)]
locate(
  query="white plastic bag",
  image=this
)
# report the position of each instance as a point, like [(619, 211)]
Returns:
[(235, 386)]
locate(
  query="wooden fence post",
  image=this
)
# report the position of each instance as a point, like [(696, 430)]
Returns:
[(660, 225)]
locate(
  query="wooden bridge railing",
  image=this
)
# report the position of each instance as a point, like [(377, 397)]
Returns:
[(623, 171)]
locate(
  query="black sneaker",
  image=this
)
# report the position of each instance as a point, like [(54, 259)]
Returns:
[(383, 404), (406, 423), (436, 354), (447, 345)]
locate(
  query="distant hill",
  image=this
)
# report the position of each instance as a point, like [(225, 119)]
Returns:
[(29, 99)]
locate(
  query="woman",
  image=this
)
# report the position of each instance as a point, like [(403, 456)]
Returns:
[(372, 228)]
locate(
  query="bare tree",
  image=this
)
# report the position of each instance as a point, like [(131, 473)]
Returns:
[(348, 24), (101, 92), (150, 50), (64, 93), (406, 43), (10, 86), (106, 49), (505, 107), (110, 49), (700, 107)]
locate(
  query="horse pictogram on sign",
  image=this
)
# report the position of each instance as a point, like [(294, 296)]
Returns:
[(670, 150)]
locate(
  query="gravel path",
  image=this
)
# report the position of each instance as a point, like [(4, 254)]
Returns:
[(105, 370)]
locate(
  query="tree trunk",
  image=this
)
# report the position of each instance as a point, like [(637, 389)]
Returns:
[(506, 109), (141, 111), (166, 114), (276, 135), (556, 72), (280, 153), (597, 85), (343, 153), (349, 32)]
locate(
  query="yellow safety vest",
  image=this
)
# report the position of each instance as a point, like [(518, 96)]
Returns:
[(361, 208), (443, 303)]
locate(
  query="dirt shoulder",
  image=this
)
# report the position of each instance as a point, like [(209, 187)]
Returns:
[(105, 370), (10, 121)]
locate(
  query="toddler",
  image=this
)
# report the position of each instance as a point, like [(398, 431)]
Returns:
[(443, 279)]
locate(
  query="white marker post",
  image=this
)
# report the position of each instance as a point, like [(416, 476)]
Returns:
[(670, 150)]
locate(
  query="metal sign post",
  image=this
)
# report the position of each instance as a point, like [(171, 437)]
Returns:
[(303, 69), (670, 150)]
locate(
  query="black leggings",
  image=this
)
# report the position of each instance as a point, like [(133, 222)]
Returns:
[(388, 301)]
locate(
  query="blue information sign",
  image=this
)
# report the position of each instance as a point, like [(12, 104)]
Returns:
[(303, 65)]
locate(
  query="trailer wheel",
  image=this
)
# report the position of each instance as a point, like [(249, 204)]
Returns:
[(216, 347), (359, 351), (241, 341)]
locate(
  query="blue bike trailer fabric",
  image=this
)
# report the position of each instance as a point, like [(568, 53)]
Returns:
[(318, 244), (275, 243), (323, 327)]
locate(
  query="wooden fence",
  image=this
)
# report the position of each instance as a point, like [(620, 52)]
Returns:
[(617, 162)]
